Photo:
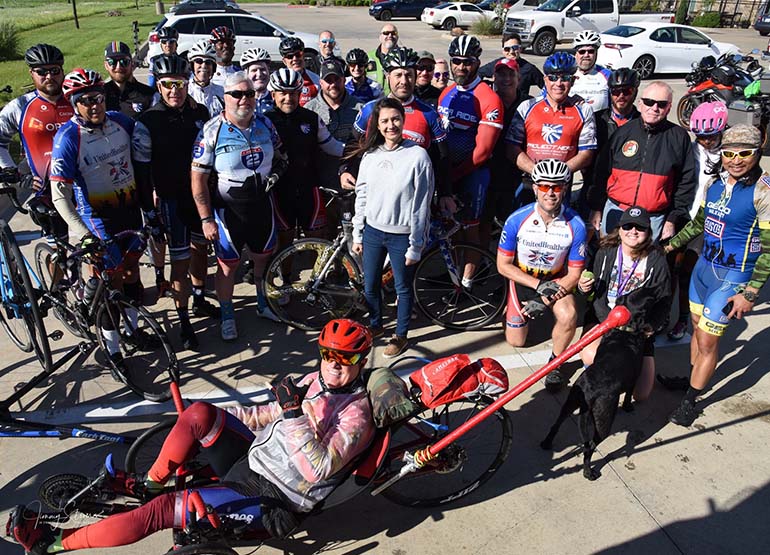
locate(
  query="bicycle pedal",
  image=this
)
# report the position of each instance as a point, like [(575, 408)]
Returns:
[(56, 335)]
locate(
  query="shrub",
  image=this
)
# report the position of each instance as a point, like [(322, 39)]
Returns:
[(681, 12), (9, 41), (646, 6), (486, 26), (707, 19), (312, 2)]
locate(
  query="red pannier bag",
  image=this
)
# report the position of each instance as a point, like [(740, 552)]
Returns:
[(456, 377)]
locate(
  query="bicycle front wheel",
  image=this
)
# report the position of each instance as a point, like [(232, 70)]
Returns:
[(148, 364), (451, 305), (458, 469), (305, 291), (21, 304), (62, 299)]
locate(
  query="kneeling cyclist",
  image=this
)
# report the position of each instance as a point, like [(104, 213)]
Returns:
[(278, 459)]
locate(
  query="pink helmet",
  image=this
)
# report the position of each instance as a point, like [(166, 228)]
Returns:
[(709, 118)]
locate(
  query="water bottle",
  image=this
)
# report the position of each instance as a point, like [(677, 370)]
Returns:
[(90, 290)]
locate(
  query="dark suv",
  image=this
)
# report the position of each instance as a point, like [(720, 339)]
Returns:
[(385, 10)]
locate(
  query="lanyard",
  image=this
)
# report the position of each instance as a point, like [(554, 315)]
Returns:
[(622, 283)]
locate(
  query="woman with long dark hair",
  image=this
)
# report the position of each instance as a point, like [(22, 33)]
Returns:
[(392, 215)]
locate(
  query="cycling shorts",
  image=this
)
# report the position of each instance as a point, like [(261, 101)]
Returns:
[(254, 228), (472, 192), (710, 287), (120, 254), (303, 208), (517, 295), (182, 227)]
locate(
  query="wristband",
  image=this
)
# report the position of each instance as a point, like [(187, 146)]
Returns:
[(207, 219)]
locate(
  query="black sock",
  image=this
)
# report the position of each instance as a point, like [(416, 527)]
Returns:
[(198, 294), (184, 318), (553, 356), (691, 394), (159, 273)]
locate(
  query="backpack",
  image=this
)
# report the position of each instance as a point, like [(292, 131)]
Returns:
[(456, 378)]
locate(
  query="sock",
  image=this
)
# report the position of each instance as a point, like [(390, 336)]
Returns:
[(112, 340), (261, 300), (56, 546), (467, 282), (184, 317), (228, 311), (198, 294), (159, 274), (553, 356), (132, 315), (152, 485), (691, 394)]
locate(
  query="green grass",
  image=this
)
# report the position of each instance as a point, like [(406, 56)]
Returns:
[(33, 14)]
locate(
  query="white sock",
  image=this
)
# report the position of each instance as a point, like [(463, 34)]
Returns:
[(467, 282), (112, 340), (133, 320)]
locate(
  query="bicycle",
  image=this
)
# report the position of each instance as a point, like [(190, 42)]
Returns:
[(313, 281)]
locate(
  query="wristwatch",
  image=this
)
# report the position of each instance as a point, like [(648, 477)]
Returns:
[(750, 296)]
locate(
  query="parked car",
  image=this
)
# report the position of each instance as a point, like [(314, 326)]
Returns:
[(762, 24), (455, 14), (251, 31), (192, 6), (560, 20), (650, 47), (385, 10)]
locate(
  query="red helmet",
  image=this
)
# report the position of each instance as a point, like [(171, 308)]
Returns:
[(346, 335), (222, 33), (80, 80)]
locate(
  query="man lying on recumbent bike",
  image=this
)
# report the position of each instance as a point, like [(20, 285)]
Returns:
[(278, 459)]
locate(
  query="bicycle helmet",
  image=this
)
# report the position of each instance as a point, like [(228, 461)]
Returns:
[(290, 45), (202, 49), (551, 170), (724, 75), (170, 64), (254, 55), (399, 58), (357, 56), (168, 33), (285, 80), (561, 62), (624, 77), (345, 335), (709, 118), (222, 32), (80, 81), (587, 38), (465, 46), (43, 55)]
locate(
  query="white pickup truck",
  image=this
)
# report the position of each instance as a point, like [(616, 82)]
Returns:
[(558, 21)]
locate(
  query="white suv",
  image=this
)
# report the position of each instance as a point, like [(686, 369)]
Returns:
[(251, 31)]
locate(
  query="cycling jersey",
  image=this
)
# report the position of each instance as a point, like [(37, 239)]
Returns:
[(211, 96), (366, 91), (264, 103), (544, 250), (311, 85), (473, 118), (222, 72), (548, 132), (421, 122), (593, 87), (132, 100), (36, 120)]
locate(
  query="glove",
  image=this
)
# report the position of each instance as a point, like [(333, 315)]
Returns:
[(548, 289), (271, 181), (91, 244), (9, 176), (533, 309), (157, 229), (290, 395)]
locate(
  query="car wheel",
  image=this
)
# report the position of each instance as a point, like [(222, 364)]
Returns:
[(644, 66), (386, 15), (763, 33), (449, 24), (545, 43)]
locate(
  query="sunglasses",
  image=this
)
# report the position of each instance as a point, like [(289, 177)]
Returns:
[(546, 188), (441, 75), (202, 60), (622, 91), (356, 64), (637, 227), (513, 48), (328, 41), (294, 55), (91, 100), (115, 62), (740, 154), (167, 41), (554, 77), (346, 359), (662, 104), (173, 83), (240, 94), (463, 61), (42, 72), (585, 51), (391, 33), (425, 68)]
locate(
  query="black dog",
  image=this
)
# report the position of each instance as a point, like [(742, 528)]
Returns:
[(596, 392)]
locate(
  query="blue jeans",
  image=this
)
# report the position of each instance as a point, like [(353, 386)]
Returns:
[(376, 245), (613, 212)]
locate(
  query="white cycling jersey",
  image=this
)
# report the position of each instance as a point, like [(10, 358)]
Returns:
[(211, 96), (593, 87)]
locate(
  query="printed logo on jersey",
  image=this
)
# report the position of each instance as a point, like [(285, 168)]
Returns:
[(305, 128), (252, 157), (540, 258), (43, 107), (198, 150), (706, 310), (766, 180), (582, 249), (413, 136), (136, 106), (551, 132), (755, 245), (493, 115), (719, 209), (714, 227), (57, 167), (630, 148), (119, 169)]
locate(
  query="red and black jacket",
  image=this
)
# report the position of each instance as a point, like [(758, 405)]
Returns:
[(649, 167)]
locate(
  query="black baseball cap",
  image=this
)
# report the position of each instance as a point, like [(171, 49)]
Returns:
[(635, 215)]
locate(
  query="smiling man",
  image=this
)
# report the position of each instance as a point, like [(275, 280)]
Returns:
[(124, 93)]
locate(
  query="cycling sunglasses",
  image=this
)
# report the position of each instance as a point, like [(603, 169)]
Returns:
[(299, 55), (740, 154), (662, 104), (441, 75), (328, 41), (554, 77), (202, 60), (166, 41), (463, 61), (346, 359), (42, 72), (512, 48), (630, 226), (115, 62), (173, 83), (584, 51), (425, 68), (622, 91), (391, 33), (91, 100), (240, 94), (546, 188)]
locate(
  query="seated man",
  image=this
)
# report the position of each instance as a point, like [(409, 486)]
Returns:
[(542, 253), (278, 459)]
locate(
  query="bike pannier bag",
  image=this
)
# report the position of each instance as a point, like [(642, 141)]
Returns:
[(389, 397), (743, 111)]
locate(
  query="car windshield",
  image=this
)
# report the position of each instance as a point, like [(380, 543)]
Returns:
[(442, 6), (554, 5), (624, 31), (160, 24)]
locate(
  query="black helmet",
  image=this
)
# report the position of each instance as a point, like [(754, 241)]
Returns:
[(401, 57), (43, 55), (290, 45), (170, 65), (357, 56), (624, 77), (465, 46), (168, 33), (724, 75)]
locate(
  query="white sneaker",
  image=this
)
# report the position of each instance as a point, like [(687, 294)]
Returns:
[(268, 314), (229, 331)]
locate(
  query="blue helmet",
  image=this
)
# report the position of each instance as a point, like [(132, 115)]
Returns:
[(561, 62)]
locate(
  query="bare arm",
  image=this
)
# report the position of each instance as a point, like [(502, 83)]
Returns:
[(509, 270), (581, 160)]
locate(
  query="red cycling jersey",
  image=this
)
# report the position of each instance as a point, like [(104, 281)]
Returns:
[(310, 86)]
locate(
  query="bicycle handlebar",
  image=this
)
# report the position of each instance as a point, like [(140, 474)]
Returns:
[(334, 193), (12, 192)]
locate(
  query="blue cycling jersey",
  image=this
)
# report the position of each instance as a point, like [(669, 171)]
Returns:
[(368, 91)]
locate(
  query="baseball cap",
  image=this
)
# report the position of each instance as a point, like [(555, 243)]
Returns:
[(425, 55), (332, 67), (742, 135), (507, 62), (117, 49), (635, 215)]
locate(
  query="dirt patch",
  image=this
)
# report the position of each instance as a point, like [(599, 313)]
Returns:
[(745, 405)]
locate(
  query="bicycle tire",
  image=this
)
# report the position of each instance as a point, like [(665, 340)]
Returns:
[(455, 307), (56, 491), (295, 304), (25, 294), (145, 375), (459, 469), (62, 302), (211, 549)]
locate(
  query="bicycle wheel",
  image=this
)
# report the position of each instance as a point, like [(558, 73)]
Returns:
[(149, 363), (294, 295), (453, 306), (22, 305), (461, 467), (62, 300)]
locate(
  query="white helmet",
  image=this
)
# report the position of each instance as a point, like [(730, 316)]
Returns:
[(202, 49), (253, 55), (551, 170), (587, 38), (285, 80)]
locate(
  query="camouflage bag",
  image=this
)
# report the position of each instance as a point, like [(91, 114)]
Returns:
[(389, 396)]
